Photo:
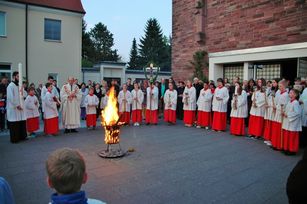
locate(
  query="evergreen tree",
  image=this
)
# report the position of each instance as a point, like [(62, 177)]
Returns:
[(87, 47), (103, 42), (134, 57), (152, 45), (200, 64)]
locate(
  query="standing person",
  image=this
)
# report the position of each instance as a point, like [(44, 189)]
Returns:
[(238, 111), (152, 104), (137, 101), (144, 90), (231, 90), (270, 111), (129, 85), (219, 106), (55, 86), (180, 90), (15, 111), (198, 87), (38, 95), (249, 90), (280, 101), (84, 93), (103, 100), (3, 87), (71, 98), (292, 124), (51, 115), (204, 107), (32, 113), (256, 119), (124, 101), (91, 101), (98, 93), (303, 102), (163, 87), (44, 91), (189, 104), (170, 102)]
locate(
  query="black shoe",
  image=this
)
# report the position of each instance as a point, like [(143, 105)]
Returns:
[(74, 130), (66, 131)]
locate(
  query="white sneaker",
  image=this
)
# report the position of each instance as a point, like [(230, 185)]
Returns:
[(207, 128), (198, 126)]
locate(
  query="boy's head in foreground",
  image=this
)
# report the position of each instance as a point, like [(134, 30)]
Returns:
[(66, 171)]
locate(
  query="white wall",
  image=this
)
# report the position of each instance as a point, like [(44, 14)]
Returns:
[(12, 47)]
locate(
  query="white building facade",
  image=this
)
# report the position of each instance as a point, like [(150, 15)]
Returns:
[(46, 39)]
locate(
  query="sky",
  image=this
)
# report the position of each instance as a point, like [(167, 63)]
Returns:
[(126, 19)]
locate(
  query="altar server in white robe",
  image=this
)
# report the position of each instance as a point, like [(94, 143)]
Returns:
[(281, 99), (124, 102), (170, 104), (292, 124), (238, 112), (32, 113), (71, 99), (137, 101), (51, 115), (44, 91), (91, 102), (15, 111), (152, 104), (303, 102), (189, 104), (219, 106), (204, 104), (256, 119)]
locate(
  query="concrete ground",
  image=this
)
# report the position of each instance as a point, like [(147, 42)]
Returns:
[(171, 164)]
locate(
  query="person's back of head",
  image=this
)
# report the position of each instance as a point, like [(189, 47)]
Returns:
[(66, 171)]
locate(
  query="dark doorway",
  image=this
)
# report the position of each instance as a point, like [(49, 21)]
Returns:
[(289, 69)]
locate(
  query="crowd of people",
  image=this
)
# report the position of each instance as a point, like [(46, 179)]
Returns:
[(272, 110)]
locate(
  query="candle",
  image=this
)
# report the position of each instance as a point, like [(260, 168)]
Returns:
[(20, 86), (236, 90)]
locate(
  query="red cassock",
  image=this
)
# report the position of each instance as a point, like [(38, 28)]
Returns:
[(170, 116), (267, 134), (152, 116), (188, 117), (256, 125), (137, 116), (219, 121), (203, 118), (32, 124), (290, 141), (125, 117), (91, 120), (276, 135), (237, 126), (51, 126)]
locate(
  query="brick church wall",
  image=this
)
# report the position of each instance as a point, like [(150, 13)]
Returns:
[(232, 25)]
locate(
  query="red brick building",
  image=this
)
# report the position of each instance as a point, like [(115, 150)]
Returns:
[(260, 38)]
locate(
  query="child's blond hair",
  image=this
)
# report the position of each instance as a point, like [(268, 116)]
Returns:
[(66, 170)]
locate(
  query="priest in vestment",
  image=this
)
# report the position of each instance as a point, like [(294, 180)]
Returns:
[(71, 99), (15, 111)]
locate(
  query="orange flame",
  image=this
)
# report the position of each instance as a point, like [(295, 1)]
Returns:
[(109, 119)]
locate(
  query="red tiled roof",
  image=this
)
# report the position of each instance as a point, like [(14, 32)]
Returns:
[(68, 5)]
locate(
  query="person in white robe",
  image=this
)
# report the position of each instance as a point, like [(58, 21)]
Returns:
[(204, 105), (152, 102), (170, 104), (137, 101), (15, 111), (124, 102), (51, 115), (71, 99), (303, 102), (44, 91), (32, 112), (91, 102), (189, 104)]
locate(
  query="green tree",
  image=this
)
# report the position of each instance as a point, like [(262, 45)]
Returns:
[(200, 64), (134, 62), (103, 42), (152, 45), (87, 47)]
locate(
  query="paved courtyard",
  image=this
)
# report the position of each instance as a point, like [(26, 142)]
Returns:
[(171, 164)]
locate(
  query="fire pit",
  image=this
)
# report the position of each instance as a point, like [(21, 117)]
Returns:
[(110, 122)]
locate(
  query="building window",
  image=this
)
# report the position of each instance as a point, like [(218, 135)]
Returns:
[(52, 29), (269, 71), (232, 71), (2, 23)]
